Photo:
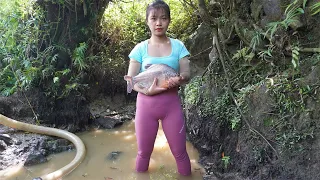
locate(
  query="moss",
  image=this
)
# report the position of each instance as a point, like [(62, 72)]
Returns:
[(198, 94), (292, 124), (192, 91), (211, 104)]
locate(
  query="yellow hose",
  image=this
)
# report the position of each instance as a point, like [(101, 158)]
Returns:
[(81, 150)]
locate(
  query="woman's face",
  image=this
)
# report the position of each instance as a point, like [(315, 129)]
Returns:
[(158, 22)]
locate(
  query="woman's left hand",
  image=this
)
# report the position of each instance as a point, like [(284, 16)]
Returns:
[(175, 81)]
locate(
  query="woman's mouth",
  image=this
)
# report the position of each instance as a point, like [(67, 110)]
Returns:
[(159, 29)]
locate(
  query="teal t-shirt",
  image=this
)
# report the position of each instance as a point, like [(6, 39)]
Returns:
[(140, 54)]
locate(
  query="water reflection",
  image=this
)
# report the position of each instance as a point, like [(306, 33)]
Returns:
[(97, 165)]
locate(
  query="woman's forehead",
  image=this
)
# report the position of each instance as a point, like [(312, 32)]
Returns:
[(157, 12)]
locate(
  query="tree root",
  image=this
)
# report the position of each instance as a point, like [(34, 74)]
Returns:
[(231, 93)]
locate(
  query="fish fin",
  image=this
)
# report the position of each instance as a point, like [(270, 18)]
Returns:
[(165, 84), (129, 83), (147, 66)]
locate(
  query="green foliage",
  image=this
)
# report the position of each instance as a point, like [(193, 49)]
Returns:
[(192, 91), (260, 154), (123, 26), (247, 70), (78, 56), (124, 22), (291, 12), (196, 94), (183, 20), (256, 40), (225, 111), (18, 44), (59, 74), (7, 81), (220, 107), (266, 54), (241, 96), (290, 102), (225, 161), (244, 54), (315, 9), (23, 61), (295, 56), (314, 59)]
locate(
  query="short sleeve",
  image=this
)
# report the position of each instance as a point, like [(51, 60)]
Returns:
[(136, 53), (183, 50)]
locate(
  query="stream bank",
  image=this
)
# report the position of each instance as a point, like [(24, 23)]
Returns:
[(18, 147)]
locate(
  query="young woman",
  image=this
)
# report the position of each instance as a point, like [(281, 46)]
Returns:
[(158, 103)]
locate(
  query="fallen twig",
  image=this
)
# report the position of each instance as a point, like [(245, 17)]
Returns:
[(314, 50)]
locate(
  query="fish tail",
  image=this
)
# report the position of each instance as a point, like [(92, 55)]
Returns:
[(129, 83)]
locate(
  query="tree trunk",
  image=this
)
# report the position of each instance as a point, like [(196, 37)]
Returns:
[(73, 21), (67, 23)]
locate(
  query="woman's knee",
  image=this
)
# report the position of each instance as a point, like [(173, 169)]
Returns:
[(144, 154), (180, 155)]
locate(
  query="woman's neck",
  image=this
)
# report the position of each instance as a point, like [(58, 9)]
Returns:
[(158, 40)]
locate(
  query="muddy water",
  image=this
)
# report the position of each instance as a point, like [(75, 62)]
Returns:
[(97, 166)]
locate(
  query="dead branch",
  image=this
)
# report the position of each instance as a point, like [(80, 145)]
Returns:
[(314, 50)]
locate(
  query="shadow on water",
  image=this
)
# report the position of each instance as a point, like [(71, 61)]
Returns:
[(111, 156)]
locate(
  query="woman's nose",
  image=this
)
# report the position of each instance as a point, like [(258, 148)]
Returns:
[(158, 22)]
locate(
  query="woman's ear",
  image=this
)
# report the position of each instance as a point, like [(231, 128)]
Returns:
[(147, 22)]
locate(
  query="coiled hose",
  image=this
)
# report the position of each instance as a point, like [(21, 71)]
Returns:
[(58, 174)]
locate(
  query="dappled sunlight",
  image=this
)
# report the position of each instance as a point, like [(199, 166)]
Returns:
[(129, 137), (161, 141), (98, 131)]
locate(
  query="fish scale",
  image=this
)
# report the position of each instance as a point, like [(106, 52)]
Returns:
[(145, 79)]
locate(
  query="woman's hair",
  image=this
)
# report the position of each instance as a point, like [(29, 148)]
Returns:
[(158, 4)]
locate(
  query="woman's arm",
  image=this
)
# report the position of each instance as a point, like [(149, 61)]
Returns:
[(184, 72), (133, 70)]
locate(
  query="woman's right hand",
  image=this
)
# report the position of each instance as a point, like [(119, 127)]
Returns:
[(154, 88)]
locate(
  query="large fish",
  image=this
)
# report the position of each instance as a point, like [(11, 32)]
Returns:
[(145, 79)]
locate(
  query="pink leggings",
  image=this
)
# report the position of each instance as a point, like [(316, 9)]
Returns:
[(166, 107)]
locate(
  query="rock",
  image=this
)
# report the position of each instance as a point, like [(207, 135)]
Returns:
[(108, 122), (3, 145), (271, 11), (58, 145), (199, 44), (6, 139), (113, 155), (34, 158)]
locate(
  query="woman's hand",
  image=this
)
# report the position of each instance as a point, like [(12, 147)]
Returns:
[(176, 81), (154, 88)]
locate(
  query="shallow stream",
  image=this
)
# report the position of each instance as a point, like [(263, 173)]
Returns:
[(99, 166)]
